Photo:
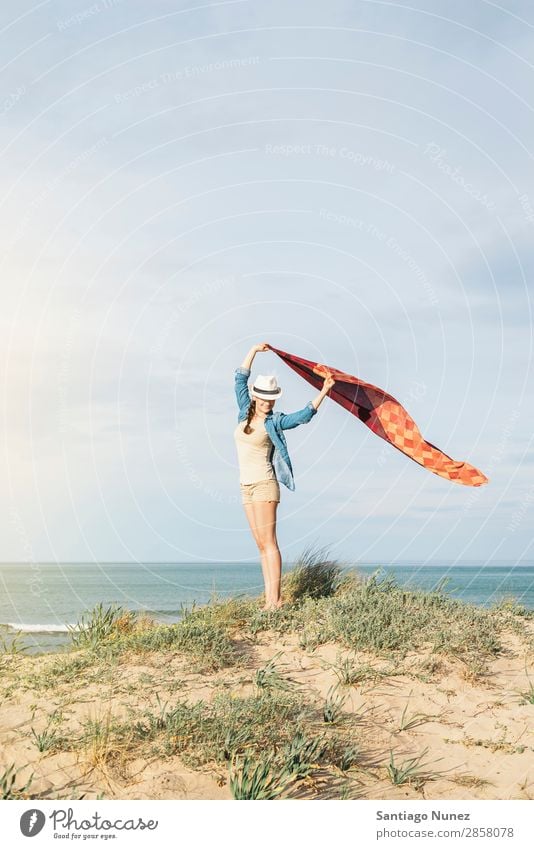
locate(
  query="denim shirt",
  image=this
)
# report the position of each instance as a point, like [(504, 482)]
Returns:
[(275, 424)]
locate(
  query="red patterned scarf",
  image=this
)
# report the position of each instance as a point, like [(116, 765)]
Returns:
[(384, 416)]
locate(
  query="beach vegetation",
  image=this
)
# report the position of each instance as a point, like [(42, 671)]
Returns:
[(13, 644), (410, 771), (49, 739), (409, 721), (270, 677), (259, 778), (100, 624), (268, 728), (314, 575), (527, 696), (350, 673), (333, 705), (9, 787)]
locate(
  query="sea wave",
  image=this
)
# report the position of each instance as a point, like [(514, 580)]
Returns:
[(36, 628)]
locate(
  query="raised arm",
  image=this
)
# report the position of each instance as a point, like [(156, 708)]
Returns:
[(327, 386), (247, 362), (242, 373), (289, 420)]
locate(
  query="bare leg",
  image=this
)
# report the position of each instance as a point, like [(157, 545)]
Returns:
[(265, 522), (249, 510)]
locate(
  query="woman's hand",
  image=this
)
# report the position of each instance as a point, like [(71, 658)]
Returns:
[(263, 346), (327, 386)]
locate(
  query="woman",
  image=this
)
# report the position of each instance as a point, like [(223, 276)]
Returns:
[(264, 461)]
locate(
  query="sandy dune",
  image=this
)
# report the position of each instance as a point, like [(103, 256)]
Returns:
[(478, 732)]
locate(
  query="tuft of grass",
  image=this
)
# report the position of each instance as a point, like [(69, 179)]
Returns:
[(76, 668), (100, 624), (475, 668), (349, 673), (527, 696), (333, 704), (346, 670), (409, 771), (274, 773), (235, 739), (97, 741), (275, 730), (348, 757), (269, 677), (301, 754), (259, 778), (313, 576), (7, 784), (49, 739), (409, 722), (14, 645)]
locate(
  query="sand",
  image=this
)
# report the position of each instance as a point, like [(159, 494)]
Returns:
[(478, 731)]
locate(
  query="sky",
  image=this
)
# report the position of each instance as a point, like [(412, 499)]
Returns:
[(350, 182)]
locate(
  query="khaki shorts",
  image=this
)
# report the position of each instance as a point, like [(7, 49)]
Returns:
[(267, 490)]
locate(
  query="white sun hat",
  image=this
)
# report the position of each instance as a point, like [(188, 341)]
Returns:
[(266, 387)]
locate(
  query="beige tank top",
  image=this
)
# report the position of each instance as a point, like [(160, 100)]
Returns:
[(254, 451)]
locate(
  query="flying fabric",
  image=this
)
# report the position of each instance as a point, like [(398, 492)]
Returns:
[(385, 417)]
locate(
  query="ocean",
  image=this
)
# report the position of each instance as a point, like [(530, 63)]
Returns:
[(39, 601)]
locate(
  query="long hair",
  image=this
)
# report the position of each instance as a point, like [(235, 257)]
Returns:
[(251, 410)]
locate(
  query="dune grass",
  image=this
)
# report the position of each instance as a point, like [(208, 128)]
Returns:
[(373, 614), (410, 771), (265, 743), (10, 787), (279, 735), (314, 575), (323, 603), (49, 739), (111, 633)]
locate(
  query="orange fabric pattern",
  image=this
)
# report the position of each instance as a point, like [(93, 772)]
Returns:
[(386, 417)]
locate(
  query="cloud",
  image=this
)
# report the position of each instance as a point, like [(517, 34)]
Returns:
[(367, 205)]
